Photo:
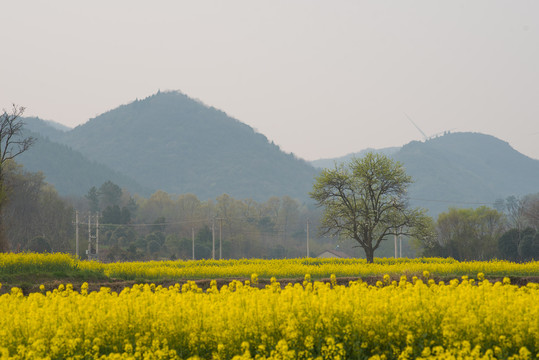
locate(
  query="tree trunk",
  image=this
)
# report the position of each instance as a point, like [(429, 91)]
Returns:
[(369, 254)]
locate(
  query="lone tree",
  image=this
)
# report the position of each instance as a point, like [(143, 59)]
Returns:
[(366, 200), (12, 143)]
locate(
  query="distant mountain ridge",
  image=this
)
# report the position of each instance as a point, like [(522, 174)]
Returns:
[(465, 170), (68, 170), (329, 162), (45, 128), (173, 143)]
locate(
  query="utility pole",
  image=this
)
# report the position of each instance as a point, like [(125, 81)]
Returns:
[(193, 238), (220, 244), (89, 234), (77, 233), (93, 256), (213, 238), (97, 235), (396, 254), (308, 255)]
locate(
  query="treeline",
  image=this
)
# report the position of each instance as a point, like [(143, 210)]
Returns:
[(507, 231), (34, 216), (167, 226), (163, 226)]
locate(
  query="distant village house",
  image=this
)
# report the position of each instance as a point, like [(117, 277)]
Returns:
[(334, 254)]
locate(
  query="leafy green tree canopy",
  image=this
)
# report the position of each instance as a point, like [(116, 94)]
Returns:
[(468, 234), (366, 200), (40, 245), (93, 199), (519, 245), (110, 194)]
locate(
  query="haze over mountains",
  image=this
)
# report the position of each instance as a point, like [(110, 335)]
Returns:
[(173, 143)]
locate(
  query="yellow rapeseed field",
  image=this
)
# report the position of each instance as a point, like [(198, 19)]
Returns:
[(281, 269), (401, 317)]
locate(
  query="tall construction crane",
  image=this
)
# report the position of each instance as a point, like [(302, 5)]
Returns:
[(425, 137)]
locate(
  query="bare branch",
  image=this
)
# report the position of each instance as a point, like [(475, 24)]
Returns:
[(12, 142)]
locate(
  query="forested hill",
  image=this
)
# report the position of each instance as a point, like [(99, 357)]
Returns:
[(464, 170), (171, 142), (68, 170), (49, 129), (330, 162)]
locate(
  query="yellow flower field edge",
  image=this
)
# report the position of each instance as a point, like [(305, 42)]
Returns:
[(12, 264), (19, 263), (404, 319)]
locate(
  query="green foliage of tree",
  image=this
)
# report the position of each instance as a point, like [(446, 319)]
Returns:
[(508, 244), (93, 199), (35, 209), (468, 234), (519, 245), (203, 243), (115, 215), (528, 248), (153, 246), (159, 225), (39, 245), (172, 244), (110, 194), (366, 200)]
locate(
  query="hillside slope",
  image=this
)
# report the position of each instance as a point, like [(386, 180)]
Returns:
[(330, 162), (171, 142), (466, 170), (463, 170), (68, 170)]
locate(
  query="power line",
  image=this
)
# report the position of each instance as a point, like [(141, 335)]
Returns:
[(453, 202), (246, 218)]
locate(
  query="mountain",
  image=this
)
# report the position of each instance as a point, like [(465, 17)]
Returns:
[(171, 142), (330, 162), (68, 170), (45, 128), (465, 170)]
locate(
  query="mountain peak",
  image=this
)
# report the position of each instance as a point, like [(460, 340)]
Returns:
[(172, 142), (464, 169)]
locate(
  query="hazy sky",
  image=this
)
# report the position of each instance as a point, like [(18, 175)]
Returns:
[(319, 78)]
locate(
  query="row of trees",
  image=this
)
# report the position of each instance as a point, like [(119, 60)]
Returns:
[(164, 225), (34, 211), (507, 232)]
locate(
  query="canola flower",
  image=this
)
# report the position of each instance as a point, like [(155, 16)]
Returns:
[(398, 318), (243, 268), (27, 262), (318, 268)]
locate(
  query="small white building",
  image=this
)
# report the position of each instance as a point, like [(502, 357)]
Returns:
[(334, 254)]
